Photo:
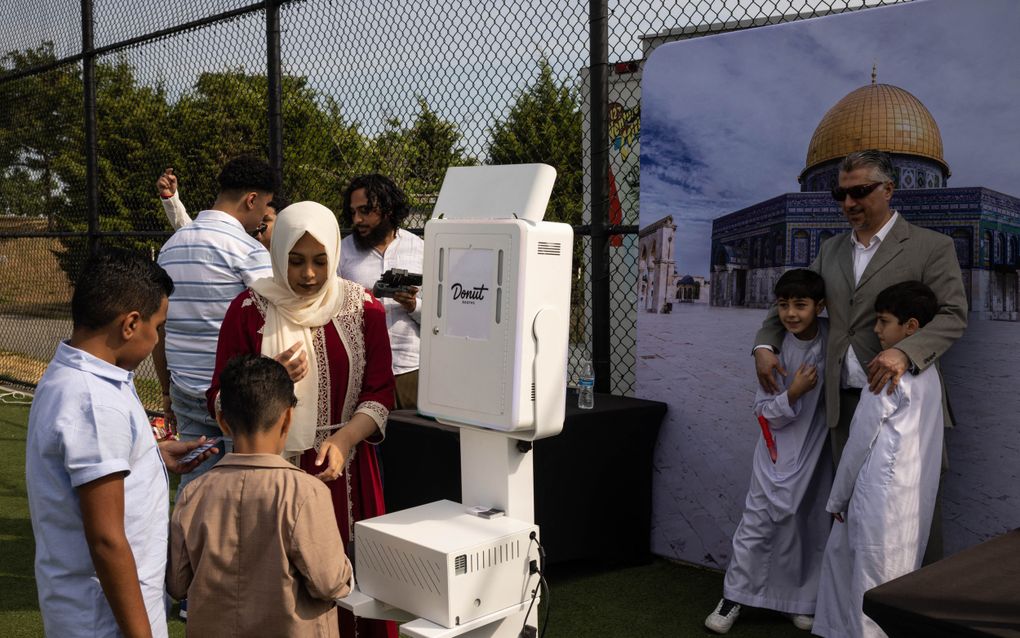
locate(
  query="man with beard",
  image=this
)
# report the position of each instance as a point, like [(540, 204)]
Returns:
[(374, 207)]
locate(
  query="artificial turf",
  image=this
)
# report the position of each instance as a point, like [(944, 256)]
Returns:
[(647, 601)]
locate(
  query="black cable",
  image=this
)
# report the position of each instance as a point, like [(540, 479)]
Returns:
[(534, 595), (548, 603), (541, 581)]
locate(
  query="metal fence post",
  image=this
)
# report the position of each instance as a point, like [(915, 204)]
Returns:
[(599, 74), (275, 89), (91, 145)]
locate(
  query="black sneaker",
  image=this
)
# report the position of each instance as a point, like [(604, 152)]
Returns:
[(182, 609)]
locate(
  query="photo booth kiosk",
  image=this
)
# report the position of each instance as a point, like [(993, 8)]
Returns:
[(494, 331)]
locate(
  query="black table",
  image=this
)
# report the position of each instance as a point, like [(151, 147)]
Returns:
[(973, 593), (593, 481)]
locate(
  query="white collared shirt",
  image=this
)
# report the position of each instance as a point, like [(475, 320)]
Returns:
[(853, 374), (211, 261), (406, 251), (86, 422)]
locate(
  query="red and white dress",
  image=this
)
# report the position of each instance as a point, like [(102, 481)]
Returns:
[(352, 353)]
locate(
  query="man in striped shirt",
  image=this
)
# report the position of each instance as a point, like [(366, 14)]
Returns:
[(211, 261)]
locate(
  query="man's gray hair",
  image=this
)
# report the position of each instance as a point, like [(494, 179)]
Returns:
[(878, 161)]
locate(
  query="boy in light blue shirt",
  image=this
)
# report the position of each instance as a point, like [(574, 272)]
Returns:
[(97, 483)]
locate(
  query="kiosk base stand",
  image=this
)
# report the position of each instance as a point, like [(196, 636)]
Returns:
[(496, 473)]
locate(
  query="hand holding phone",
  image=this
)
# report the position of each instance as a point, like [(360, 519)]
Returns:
[(194, 454)]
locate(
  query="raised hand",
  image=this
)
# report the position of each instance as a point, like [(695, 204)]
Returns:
[(166, 185)]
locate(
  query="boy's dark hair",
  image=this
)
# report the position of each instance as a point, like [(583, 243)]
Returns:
[(279, 202), (382, 193), (254, 392), (908, 300), (245, 174), (800, 283), (115, 282)]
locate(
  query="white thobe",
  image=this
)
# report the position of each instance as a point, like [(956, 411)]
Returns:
[(778, 544), (885, 486)]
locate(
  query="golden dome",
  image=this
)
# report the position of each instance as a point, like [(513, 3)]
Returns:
[(879, 116)]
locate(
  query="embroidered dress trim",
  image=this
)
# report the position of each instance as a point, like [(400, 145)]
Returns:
[(261, 304), (322, 427), (378, 413), (349, 324)]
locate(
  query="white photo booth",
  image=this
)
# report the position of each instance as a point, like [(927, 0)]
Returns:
[(496, 303)]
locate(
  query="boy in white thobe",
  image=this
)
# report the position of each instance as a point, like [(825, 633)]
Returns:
[(884, 492), (777, 547)]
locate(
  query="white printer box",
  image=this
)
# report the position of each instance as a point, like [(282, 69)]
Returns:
[(443, 563)]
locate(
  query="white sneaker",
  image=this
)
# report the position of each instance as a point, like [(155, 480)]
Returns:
[(801, 621), (723, 617)]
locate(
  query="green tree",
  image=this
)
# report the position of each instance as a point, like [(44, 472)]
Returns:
[(416, 157), (544, 125), (40, 120), (225, 116), (131, 123)]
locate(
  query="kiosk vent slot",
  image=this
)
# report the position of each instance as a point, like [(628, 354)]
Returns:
[(495, 555), (400, 566), (548, 248)]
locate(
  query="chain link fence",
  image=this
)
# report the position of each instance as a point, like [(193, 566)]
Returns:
[(401, 88)]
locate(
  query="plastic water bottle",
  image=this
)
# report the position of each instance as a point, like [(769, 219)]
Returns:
[(586, 388)]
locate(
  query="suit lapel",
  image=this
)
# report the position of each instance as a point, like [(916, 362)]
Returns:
[(887, 249), (845, 257)]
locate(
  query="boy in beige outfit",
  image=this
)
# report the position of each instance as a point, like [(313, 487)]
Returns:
[(254, 545)]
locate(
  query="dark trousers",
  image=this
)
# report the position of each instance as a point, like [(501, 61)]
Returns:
[(838, 437)]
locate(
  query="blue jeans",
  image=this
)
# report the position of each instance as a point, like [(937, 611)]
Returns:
[(193, 421)]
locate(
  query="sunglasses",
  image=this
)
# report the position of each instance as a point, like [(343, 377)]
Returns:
[(857, 192), (261, 228)]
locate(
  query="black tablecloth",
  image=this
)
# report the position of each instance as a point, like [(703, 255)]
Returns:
[(593, 481), (973, 593)]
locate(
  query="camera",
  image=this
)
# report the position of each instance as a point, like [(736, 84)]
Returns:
[(395, 280)]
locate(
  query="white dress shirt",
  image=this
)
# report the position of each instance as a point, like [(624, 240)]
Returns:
[(406, 251), (853, 374)]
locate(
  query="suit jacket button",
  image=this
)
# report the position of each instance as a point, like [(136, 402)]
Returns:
[(850, 332)]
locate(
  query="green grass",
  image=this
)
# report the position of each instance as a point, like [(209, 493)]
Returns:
[(659, 599)]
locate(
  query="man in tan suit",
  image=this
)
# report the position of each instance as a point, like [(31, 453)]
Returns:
[(881, 249)]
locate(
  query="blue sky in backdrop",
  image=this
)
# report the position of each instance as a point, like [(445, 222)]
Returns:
[(726, 119)]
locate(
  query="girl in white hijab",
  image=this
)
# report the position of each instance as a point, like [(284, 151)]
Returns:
[(331, 336)]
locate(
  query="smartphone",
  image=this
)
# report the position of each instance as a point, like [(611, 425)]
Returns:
[(194, 454)]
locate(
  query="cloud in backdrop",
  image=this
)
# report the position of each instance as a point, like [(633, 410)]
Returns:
[(726, 119)]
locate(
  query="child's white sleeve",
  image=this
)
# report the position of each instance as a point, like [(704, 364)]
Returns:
[(872, 411), (775, 408), (97, 447)]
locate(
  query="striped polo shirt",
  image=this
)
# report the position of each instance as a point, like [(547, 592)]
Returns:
[(211, 261)]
